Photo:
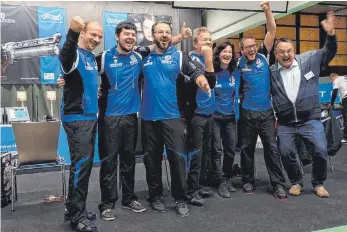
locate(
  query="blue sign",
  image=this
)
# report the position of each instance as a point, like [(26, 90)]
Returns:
[(51, 24), (325, 91), (111, 20)]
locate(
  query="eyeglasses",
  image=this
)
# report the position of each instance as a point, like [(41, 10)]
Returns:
[(162, 32), (249, 47)]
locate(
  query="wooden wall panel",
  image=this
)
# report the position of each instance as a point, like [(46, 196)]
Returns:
[(289, 32), (310, 34), (306, 46), (258, 32), (309, 20), (287, 20)]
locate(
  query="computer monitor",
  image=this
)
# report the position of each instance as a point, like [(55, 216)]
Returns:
[(17, 114)]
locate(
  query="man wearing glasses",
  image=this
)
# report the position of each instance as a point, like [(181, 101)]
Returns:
[(257, 116)]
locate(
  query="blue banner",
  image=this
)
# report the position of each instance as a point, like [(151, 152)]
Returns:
[(325, 91), (111, 20), (52, 30)]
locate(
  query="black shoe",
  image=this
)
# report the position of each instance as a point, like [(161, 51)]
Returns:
[(280, 193), (84, 226), (197, 201), (158, 204), (135, 206), (182, 209), (223, 190), (248, 188), (205, 193), (90, 216), (230, 186), (108, 215)]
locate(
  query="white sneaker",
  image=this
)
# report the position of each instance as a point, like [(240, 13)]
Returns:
[(344, 141)]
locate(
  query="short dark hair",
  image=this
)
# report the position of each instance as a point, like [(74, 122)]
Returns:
[(159, 22), (283, 39), (244, 38), (127, 25), (219, 49)]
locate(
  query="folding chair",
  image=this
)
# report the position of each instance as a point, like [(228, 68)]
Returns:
[(37, 145)]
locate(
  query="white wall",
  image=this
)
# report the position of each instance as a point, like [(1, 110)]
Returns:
[(224, 24)]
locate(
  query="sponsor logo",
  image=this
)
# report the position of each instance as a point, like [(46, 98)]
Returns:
[(52, 17), (115, 63), (148, 62), (232, 81), (6, 20), (167, 60), (259, 63), (113, 21)]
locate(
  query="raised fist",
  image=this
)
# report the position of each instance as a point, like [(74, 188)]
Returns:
[(186, 32), (77, 24), (207, 51), (328, 24), (265, 5)]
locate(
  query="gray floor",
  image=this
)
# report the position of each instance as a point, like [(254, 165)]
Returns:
[(241, 213)]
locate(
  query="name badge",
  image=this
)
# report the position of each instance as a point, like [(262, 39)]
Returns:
[(309, 75)]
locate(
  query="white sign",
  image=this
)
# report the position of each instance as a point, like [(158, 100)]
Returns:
[(51, 95), (21, 96)]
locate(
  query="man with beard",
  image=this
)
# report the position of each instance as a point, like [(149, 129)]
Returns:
[(166, 72), (119, 103), (295, 98), (257, 116), (79, 113), (199, 121)]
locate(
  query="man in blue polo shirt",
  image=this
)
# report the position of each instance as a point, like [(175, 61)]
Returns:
[(257, 116), (166, 73)]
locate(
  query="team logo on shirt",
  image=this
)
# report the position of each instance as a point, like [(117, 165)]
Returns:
[(259, 63), (133, 60), (167, 60), (232, 81), (115, 63)]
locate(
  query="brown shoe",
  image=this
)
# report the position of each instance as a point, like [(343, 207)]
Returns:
[(295, 190), (321, 191)]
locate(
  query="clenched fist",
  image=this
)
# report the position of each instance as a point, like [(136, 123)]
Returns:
[(186, 32), (207, 51), (328, 24), (265, 5), (202, 82), (77, 24), (61, 82)]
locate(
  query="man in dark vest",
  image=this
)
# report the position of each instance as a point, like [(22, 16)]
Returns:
[(295, 98)]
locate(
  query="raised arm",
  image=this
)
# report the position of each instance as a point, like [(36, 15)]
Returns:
[(68, 55), (330, 47), (270, 26)]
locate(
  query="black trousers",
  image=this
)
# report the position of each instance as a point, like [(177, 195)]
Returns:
[(344, 114), (119, 139), (81, 139), (172, 134), (262, 123), (223, 142), (199, 147)]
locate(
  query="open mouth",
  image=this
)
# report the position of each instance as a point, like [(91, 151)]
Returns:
[(285, 59), (129, 41)]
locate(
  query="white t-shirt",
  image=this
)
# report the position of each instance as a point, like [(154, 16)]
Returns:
[(341, 84)]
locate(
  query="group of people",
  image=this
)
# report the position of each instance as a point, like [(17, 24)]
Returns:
[(189, 103)]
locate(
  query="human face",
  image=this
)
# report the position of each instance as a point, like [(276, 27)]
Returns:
[(147, 29), (162, 36), (285, 54), (249, 49), (204, 38), (91, 36), (126, 39), (225, 56)]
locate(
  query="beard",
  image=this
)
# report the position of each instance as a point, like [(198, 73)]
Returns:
[(160, 46), (124, 48)]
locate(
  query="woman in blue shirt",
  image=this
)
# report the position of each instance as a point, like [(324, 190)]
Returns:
[(225, 115)]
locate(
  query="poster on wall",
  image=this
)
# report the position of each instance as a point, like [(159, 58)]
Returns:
[(31, 38), (143, 22)]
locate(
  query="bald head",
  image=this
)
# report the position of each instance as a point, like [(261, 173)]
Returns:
[(91, 35)]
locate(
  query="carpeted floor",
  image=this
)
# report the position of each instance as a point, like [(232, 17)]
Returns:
[(241, 213)]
